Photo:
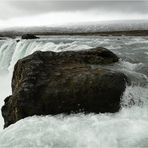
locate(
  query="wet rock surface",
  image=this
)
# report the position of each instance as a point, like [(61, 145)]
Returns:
[(66, 82), (29, 36)]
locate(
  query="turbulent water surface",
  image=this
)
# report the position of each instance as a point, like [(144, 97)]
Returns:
[(127, 128)]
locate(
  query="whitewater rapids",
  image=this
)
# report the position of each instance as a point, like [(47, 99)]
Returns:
[(127, 128)]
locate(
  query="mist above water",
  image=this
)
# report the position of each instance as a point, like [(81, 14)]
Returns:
[(59, 19)]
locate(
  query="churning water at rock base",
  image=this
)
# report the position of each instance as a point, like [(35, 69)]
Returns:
[(127, 128)]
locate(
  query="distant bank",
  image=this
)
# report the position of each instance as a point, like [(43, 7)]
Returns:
[(107, 33), (114, 28)]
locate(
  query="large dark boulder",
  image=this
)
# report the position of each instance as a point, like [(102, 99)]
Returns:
[(29, 36), (66, 82)]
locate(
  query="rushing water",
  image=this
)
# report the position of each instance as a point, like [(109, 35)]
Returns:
[(127, 128)]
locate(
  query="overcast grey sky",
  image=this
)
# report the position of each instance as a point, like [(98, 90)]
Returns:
[(13, 9), (18, 8)]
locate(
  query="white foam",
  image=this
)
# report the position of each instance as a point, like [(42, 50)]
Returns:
[(124, 129), (130, 66), (135, 96)]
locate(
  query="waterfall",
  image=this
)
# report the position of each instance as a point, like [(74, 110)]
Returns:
[(127, 128)]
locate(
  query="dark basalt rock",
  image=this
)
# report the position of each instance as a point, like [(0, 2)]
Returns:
[(66, 82), (29, 36), (17, 41)]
